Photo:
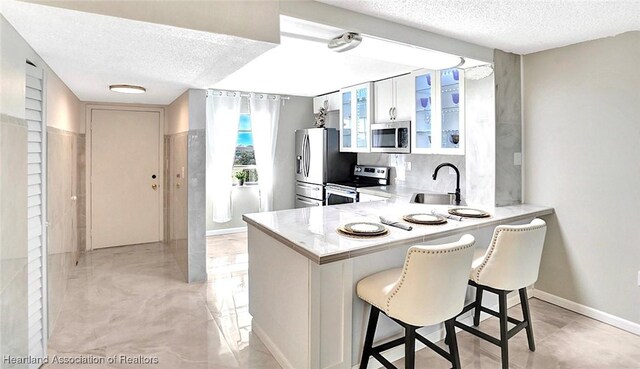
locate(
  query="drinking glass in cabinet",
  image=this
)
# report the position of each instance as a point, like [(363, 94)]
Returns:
[(346, 119), (361, 118)]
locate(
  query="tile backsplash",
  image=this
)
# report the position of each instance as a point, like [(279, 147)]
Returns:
[(422, 167)]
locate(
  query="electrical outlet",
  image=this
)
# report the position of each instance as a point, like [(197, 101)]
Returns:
[(638, 278), (407, 165)]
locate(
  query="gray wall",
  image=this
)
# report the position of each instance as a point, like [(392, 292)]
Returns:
[(581, 134), (185, 165), (295, 114), (508, 128), (480, 141)]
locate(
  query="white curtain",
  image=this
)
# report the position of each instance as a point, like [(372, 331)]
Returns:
[(265, 113), (223, 117)]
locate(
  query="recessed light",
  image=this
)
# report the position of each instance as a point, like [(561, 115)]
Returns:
[(128, 89)]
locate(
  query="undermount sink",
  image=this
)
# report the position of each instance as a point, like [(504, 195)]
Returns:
[(431, 198)]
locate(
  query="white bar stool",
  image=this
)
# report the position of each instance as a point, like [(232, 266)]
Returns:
[(428, 290), (511, 263)]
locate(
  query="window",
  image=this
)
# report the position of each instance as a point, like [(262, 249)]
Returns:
[(244, 165)]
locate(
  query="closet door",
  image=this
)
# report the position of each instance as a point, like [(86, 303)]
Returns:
[(36, 211)]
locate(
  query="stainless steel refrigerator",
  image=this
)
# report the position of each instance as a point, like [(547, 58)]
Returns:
[(318, 161)]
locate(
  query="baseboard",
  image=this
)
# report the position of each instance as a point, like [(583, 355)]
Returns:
[(273, 349), (607, 318), (218, 232), (397, 352)]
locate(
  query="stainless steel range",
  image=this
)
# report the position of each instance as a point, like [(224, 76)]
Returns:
[(346, 192)]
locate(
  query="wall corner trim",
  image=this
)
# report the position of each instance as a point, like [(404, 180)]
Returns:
[(587, 311)]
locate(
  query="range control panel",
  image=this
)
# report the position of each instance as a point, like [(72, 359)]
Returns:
[(369, 171)]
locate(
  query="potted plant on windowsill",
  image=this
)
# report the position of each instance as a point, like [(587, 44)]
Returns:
[(241, 176)]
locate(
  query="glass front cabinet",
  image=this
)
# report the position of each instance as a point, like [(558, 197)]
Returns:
[(356, 112), (438, 116)]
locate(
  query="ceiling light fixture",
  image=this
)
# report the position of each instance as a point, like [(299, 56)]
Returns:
[(128, 89), (393, 52)]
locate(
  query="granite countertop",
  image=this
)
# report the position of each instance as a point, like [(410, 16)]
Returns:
[(312, 232)]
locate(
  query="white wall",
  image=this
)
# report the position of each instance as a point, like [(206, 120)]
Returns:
[(178, 115), (582, 135)]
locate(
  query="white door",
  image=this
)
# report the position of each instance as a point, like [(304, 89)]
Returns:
[(384, 100), (125, 177), (404, 100)]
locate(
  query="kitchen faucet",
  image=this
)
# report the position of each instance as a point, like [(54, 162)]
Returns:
[(435, 175)]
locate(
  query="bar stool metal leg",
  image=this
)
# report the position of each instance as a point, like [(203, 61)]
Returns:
[(526, 316), (478, 310), (368, 341), (504, 330)]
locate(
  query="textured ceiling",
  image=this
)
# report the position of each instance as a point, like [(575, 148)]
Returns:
[(519, 26), (89, 52), (303, 65)]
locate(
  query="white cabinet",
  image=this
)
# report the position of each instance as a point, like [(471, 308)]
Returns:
[(393, 99), (438, 113), (356, 111), (328, 101)]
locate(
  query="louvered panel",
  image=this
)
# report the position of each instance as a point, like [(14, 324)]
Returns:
[(34, 125), (33, 212), (33, 136), (34, 200), (34, 147), (34, 190), (35, 252), (34, 179), (32, 93), (34, 168), (34, 244), (34, 72), (34, 83), (33, 115), (35, 289), (34, 331), (33, 104), (34, 158), (35, 272), (35, 227)]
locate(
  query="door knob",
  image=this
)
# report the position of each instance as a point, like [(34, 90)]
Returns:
[(154, 186)]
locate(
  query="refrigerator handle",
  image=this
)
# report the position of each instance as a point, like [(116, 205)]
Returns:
[(307, 155)]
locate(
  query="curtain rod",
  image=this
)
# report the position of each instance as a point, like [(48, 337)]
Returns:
[(246, 94)]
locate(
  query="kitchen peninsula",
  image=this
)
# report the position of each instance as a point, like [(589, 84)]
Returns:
[(302, 273)]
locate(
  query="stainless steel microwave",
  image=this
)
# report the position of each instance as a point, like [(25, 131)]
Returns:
[(393, 137)]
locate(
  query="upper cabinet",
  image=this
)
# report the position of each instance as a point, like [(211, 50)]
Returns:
[(329, 102), (438, 113), (356, 112), (393, 99)]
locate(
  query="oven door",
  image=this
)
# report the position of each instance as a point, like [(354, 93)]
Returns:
[(337, 196)]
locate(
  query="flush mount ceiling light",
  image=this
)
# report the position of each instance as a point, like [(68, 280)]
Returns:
[(128, 89), (393, 52)]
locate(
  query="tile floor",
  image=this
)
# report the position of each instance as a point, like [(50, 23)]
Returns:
[(133, 301)]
